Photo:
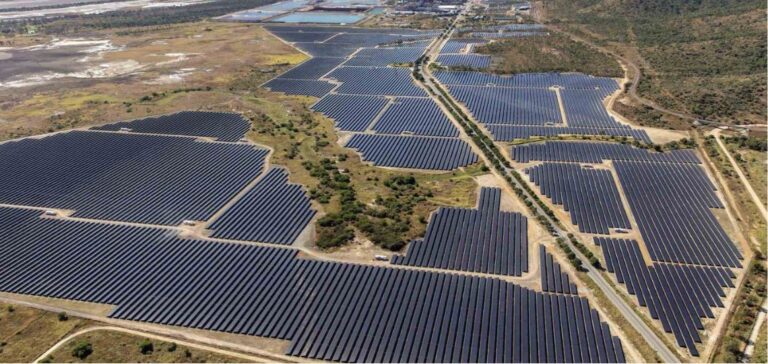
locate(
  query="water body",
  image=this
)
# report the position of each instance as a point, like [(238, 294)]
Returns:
[(324, 17)]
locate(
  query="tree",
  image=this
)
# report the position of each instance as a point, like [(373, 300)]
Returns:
[(82, 350), (146, 347)]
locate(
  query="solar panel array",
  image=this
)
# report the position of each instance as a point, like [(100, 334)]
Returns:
[(671, 203), (419, 116), (589, 194), (677, 295), (312, 69), (300, 87), (553, 278), (226, 127), (329, 311), (382, 57), (508, 133), (351, 112), (376, 81), (126, 177), (413, 151), (464, 60), (509, 106), (459, 45), (359, 103), (505, 35), (273, 211), (590, 152), (525, 105), (484, 240)]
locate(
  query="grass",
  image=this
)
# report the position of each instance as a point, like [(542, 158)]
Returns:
[(760, 354), (118, 347), (553, 53), (705, 58), (26, 333)]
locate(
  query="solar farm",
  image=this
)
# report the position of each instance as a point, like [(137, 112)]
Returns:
[(180, 221), (682, 270)]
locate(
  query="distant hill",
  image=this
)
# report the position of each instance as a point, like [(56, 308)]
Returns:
[(703, 57)]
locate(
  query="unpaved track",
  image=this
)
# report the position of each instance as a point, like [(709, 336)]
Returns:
[(755, 198), (69, 338)]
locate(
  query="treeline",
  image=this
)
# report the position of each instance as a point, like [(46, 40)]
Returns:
[(131, 18)]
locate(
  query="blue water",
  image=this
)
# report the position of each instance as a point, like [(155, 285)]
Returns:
[(327, 17), (376, 11)]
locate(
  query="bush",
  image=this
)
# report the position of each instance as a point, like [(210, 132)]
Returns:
[(63, 316), (82, 350), (172, 347), (146, 347)]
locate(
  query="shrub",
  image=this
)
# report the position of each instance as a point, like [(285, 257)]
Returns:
[(63, 316), (82, 350), (146, 347)]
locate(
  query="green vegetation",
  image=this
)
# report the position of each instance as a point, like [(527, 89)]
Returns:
[(746, 307), (82, 350), (386, 221), (705, 57), (552, 53), (584, 250)]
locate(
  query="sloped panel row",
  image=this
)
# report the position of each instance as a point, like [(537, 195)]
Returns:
[(508, 133), (464, 60), (459, 45), (303, 36), (591, 152), (419, 116), (226, 127), (504, 35), (327, 50), (273, 211), (584, 108), (126, 177), (300, 87), (484, 240), (680, 296), (553, 278), (312, 69), (590, 195), (330, 311), (369, 314), (671, 204), (376, 81), (528, 80), (413, 151), (382, 57), (509, 106), (351, 112)]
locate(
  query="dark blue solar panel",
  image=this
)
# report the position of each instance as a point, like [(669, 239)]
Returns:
[(508, 133), (351, 112), (554, 279), (326, 50), (419, 116), (464, 60), (483, 240), (303, 36), (677, 295), (312, 69), (509, 106), (671, 204), (413, 151), (591, 152), (589, 194), (382, 57), (126, 177), (376, 81), (227, 127), (300, 87), (273, 211), (529, 80), (584, 108)]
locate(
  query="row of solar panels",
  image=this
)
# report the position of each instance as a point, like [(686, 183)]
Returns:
[(329, 311), (484, 240), (226, 127), (589, 194), (413, 151), (680, 296), (591, 152), (553, 278), (508, 133)]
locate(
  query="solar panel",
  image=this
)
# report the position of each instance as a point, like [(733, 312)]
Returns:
[(677, 295), (273, 211), (509, 106), (484, 240), (126, 177), (227, 127), (553, 278), (300, 87), (418, 116), (588, 194), (376, 81), (413, 151), (312, 69), (508, 133), (464, 60), (351, 112), (592, 152)]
